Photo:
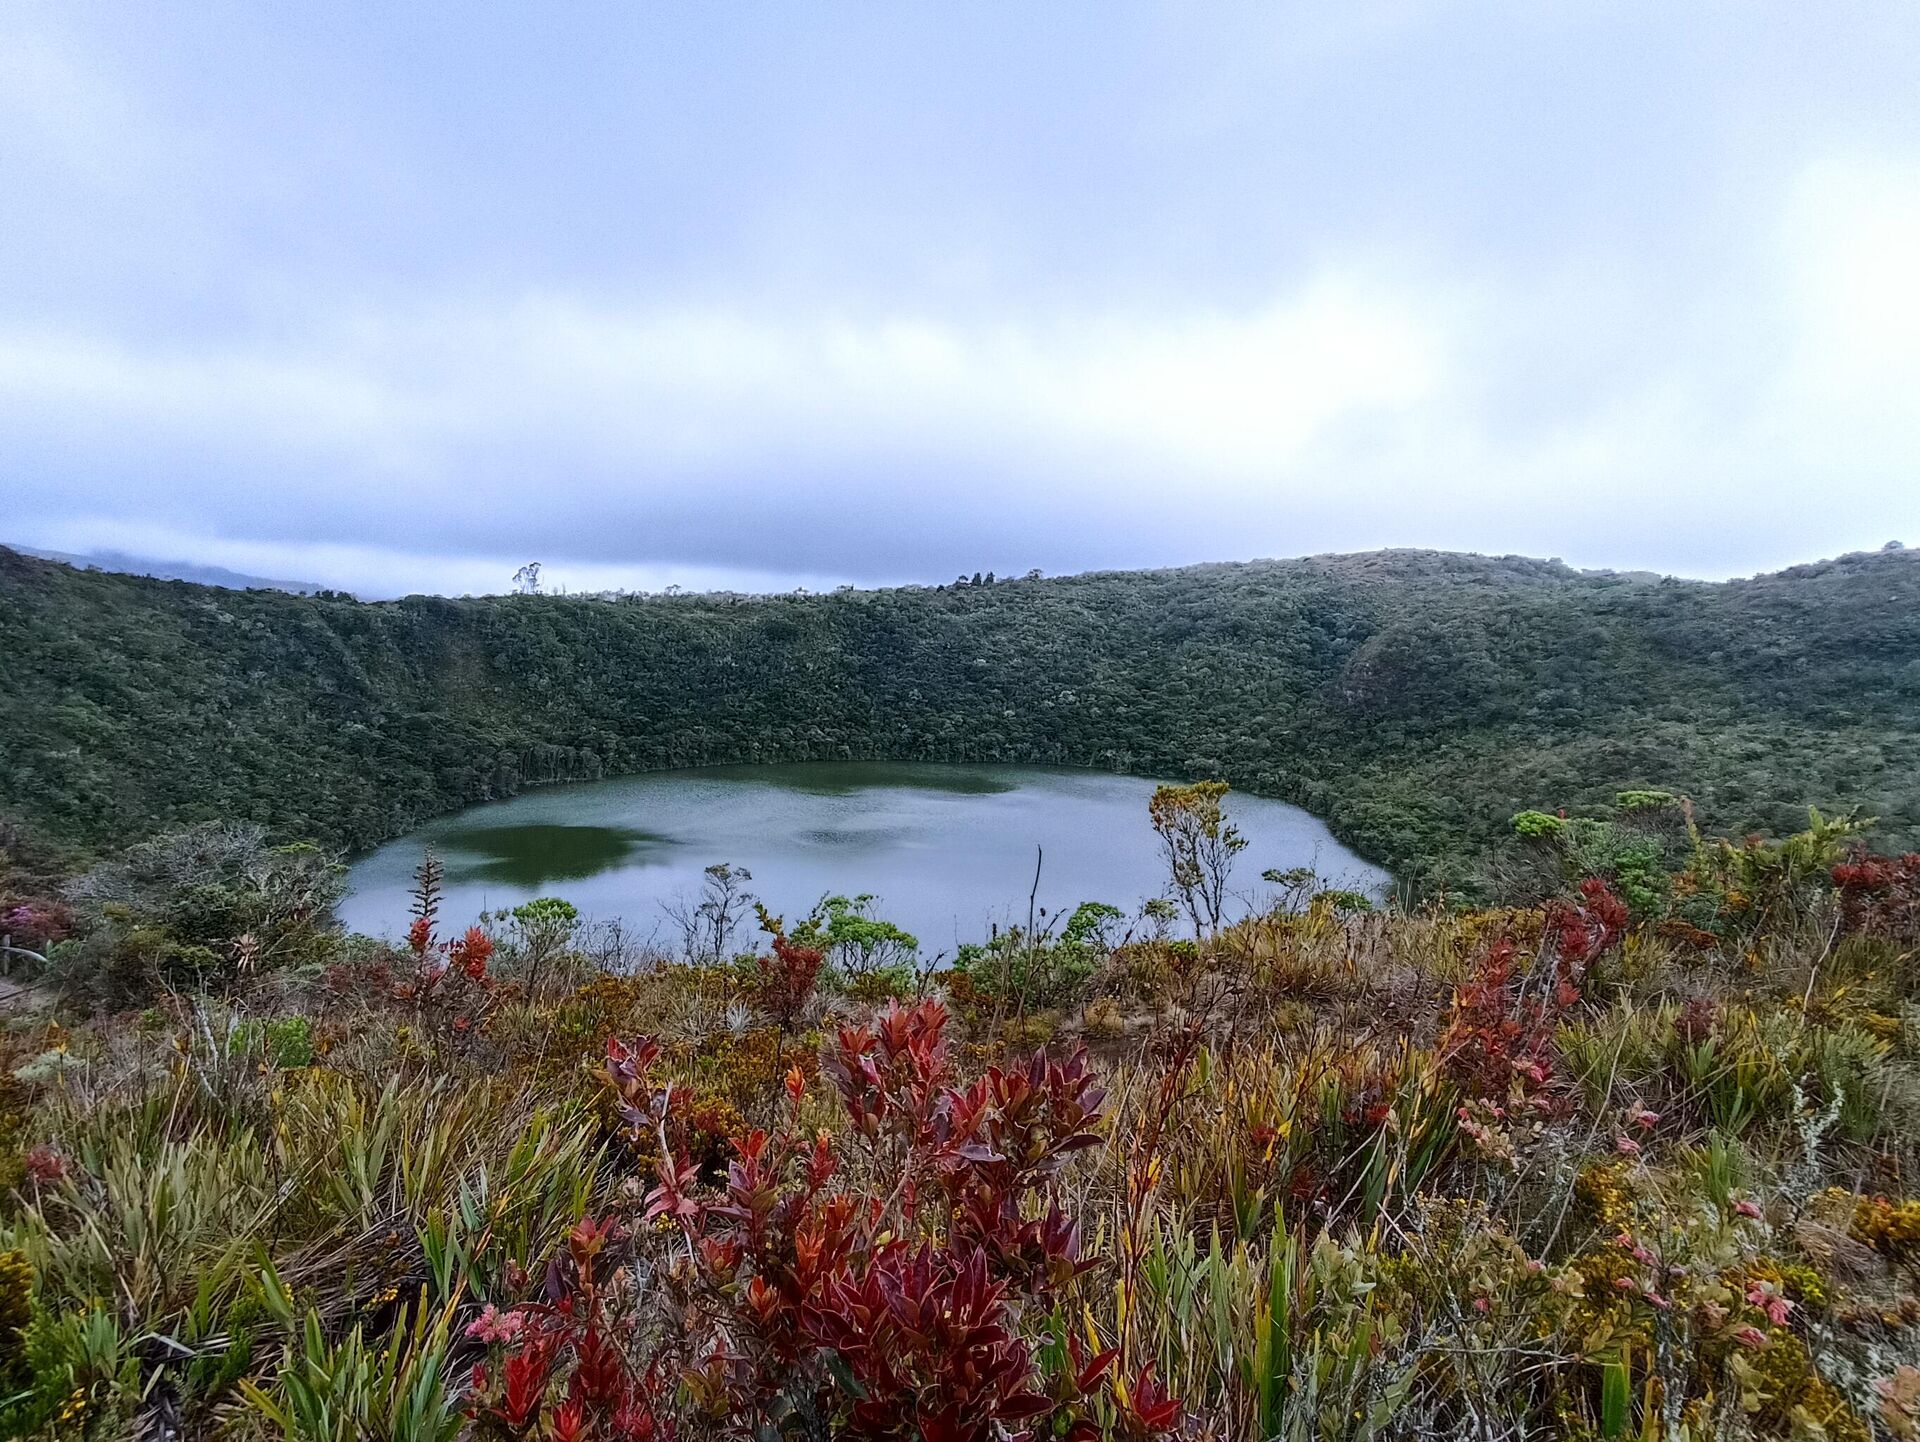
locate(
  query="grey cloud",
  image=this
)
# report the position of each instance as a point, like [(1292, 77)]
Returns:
[(884, 297)]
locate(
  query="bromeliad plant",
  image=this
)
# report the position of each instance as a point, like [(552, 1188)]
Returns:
[(902, 1282)]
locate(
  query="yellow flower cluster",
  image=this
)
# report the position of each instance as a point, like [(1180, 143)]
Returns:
[(1889, 1227)]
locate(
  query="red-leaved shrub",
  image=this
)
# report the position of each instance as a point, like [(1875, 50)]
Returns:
[(891, 1286)]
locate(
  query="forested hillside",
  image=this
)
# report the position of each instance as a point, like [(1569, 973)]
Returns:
[(1415, 699)]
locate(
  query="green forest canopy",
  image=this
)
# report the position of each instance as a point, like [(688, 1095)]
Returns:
[(1415, 699)]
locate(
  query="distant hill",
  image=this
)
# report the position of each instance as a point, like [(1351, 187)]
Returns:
[(131, 565), (1415, 699)]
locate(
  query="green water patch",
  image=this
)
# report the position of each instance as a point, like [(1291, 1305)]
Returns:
[(533, 854)]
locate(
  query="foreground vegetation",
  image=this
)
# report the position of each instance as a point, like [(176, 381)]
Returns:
[(1415, 700), (1636, 1158)]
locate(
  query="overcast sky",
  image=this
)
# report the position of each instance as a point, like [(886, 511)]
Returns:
[(398, 296)]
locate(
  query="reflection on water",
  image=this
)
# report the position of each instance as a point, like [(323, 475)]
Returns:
[(949, 850), (857, 838), (845, 778), (528, 855)]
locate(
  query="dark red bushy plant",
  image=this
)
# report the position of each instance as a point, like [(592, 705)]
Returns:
[(908, 1305), (446, 984), (572, 1333), (787, 980), (1496, 1040), (37, 922), (1880, 895), (1498, 1044), (1582, 930)]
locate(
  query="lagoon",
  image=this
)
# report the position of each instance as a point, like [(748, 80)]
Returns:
[(947, 850)]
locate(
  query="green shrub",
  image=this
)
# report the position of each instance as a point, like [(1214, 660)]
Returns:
[(285, 1041), (1534, 824)]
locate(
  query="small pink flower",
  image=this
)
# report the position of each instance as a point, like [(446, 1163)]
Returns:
[(1626, 1146), (1766, 1296), (1624, 1284), (1643, 1119), (493, 1325), (47, 1163), (1751, 1337), (1747, 1209), (1659, 1301), (1480, 1304), (1535, 1266)]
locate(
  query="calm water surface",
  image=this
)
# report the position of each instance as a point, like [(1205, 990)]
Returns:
[(946, 849)]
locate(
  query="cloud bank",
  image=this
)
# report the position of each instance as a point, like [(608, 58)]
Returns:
[(1725, 389)]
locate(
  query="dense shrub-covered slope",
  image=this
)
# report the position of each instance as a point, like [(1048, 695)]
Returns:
[(1413, 698)]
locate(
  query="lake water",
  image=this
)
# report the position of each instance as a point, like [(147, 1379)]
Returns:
[(946, 849)]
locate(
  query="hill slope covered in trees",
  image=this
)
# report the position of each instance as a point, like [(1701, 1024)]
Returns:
[(1415, 699)]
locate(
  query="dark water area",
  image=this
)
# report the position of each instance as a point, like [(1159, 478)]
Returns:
[(947, 850)]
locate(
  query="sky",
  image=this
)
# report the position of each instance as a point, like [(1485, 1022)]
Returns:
[(398, 297)]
